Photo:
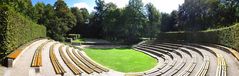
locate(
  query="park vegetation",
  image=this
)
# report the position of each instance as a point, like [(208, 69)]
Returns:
[(16, 30), (128, 25)]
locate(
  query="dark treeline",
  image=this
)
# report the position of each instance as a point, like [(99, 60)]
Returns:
[(128, 24)]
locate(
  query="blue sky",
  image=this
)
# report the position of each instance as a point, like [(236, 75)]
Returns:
[(162, 5)]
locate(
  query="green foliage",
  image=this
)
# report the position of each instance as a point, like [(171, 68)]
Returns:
[(111, 23), (82, 19), (124, 25), (22, 6), (168, 21), (58, 19), (225, 36), (16, 30), (196, 15), (134, 21), (153, 24), (122, 59), (64, 22)]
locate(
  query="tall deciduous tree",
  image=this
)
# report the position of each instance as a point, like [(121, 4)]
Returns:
[(153, 25), (134, 20), (82, 17), (65, 20), (23, 6), (111, 24)]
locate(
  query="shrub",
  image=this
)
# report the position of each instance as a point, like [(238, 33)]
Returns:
[(15, 29), (228, 36)]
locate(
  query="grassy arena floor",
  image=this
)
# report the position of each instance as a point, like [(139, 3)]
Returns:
[(122, 59)]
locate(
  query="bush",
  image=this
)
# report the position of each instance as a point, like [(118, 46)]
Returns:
[(228, 36), (15, 29)]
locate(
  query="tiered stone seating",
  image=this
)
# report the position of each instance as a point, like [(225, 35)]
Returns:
[(70, 65), (173, 70), (204, 67), (175, 48), (92, 63), (37, 58), (167, 66), (78, 63), (87, 63), (164, 48), (230, 50), (221, 63), (55, 63), (16, 53), (145, 48), (167, 59)]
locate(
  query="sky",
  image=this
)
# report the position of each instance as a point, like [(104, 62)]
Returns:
[(166, 6)]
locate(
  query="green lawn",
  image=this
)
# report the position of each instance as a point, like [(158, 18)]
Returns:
[(122, 59), (78, 40)]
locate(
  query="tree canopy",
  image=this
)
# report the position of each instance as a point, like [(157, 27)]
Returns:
[(129, 24)]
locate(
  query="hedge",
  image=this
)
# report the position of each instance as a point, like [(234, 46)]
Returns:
[(228, 36), (15, 29)]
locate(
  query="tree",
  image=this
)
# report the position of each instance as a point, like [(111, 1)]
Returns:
[(195, 15), (65, 19), (96, 20), (153, 23), (134, 21), (85, 15), (82, 17), (48, 20), (40, 12), (23, 6), (166, 22), (110, 24)]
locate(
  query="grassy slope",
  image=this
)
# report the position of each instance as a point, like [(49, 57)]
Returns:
[(122, 59)]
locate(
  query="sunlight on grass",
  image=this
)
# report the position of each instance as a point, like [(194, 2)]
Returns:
[(122, 59), (78, 40)]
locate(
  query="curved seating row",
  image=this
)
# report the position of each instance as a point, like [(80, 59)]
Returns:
[(12, 57), (93, 63), (55, 63), (37, 58), (78, 63), (205, 51), (164, 68), (70, 65), (172, 48), (87, 63), (167, 57)]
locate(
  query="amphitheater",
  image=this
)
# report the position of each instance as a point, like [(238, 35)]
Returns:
[(45, 57)]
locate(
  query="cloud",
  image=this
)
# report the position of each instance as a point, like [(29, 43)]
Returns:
[(165, 5), (119, 3), (83, 5), (162, 5)]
